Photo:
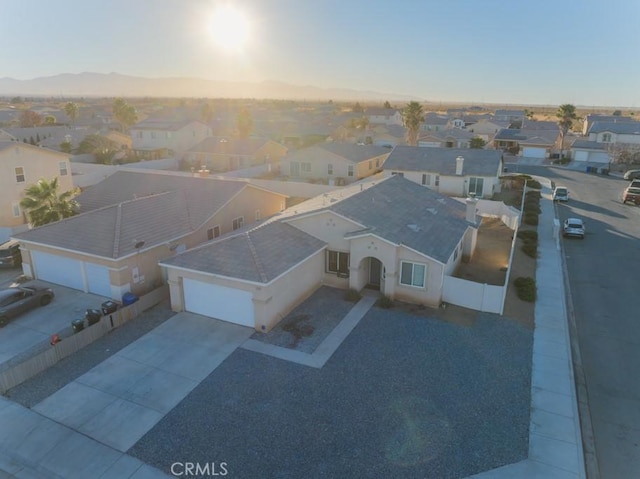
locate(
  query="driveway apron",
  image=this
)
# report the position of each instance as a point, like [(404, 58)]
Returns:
[(122, 398)]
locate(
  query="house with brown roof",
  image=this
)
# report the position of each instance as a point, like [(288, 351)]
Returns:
[(224, 154), (131, 221), (22, 165)]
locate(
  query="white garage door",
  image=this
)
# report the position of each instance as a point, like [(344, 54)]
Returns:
[(98, 280), (532, 152), (228, 304), (429, 144), (581, 156), (599, 156), (57, 269)]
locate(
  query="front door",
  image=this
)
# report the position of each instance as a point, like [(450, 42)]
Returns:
[(375, 273)]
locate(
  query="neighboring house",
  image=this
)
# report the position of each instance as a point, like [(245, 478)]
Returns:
[(450, 138), (154, 139), (384, 135), (509, 115), (384, 116), (21, 166), (222, 154), (452, 172), (589, 120), (456, 123), (341, 163), (487, 128), (627, 133), (393, 236), (132, 220), (434, 122), (590, 151), (531, 141), (123, 141)]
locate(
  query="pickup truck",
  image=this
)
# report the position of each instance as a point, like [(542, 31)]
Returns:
[(631, 194)]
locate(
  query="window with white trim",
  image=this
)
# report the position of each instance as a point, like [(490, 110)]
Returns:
[(258, 215), (305, 167), (413, 274), (213, 232), (337, 262), (238, 222), (606, 138), (63, 168), (330, 169), (437, 180), (426, 179), (19, 170), (350, 170), (15, 206)]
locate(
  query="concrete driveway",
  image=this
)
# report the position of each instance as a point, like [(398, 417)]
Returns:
[(122, 398), (8, 275), (30, 329)]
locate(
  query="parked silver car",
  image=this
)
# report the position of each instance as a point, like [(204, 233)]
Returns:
[(560, 193), (20, 299), (574, 227)]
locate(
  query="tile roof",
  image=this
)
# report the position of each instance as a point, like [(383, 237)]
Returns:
[(435, 119), (621, 128), (161, 124), (206, 193), (224, 146), (477, 162), (525, 135), (589, 145), (6, 144), (260, 254), (354, 153), (113, 231), (509, 113)]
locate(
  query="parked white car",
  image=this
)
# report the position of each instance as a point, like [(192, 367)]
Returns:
[(560, 193)]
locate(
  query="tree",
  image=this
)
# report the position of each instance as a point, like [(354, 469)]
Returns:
[(617, 113), (49, 120), (124, 113), (387, 104), (65, 147), (29, 119), (101, 147), (71, 109), (44, 205), (244, 122), (566, 115), (357, 108), (206, 113), (477, 143), (412, 118)]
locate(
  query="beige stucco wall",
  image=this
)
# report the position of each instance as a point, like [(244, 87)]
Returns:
[(37, 163), (451, 185)]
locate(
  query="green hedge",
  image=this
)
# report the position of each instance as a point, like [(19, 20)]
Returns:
[(526, 288)]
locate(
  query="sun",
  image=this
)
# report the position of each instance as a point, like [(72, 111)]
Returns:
[(229, 28)]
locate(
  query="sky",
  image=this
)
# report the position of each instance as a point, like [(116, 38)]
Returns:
[(485, 51)]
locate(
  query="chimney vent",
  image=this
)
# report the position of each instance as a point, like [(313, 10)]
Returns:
[(459, 165), (471, 209)]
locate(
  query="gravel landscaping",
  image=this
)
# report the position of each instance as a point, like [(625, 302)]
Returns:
[(310, 322), (404, 396), (43, 385)]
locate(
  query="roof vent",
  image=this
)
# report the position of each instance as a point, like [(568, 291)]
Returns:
[(433, 211), (413, 227), (459, 165)]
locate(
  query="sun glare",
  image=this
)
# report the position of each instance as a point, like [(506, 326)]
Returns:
[(229, 28)]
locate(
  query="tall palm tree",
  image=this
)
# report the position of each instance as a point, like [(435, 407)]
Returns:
[(44, 205), (566, 115), (71, 109), (412, 117)]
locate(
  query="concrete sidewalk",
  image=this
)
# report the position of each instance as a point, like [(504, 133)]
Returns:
[(555, 440)]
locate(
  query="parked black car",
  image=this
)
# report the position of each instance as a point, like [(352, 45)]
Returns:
[(10, 256), (20, 299)]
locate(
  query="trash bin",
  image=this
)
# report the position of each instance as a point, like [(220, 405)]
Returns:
[(77, 325), (93, 316), (129, 298), (109, 307)]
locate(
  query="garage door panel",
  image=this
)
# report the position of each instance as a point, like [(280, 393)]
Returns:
[(58, 269), (532, 152), (220, 302), (98, 280), (581, 156)]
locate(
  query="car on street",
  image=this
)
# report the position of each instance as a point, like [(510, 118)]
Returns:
[(10, 256), (631, 195), (635, 184), (632, 175), (573, 227), (560, 193), (17, 300)]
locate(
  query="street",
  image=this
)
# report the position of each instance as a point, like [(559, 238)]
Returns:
[(602, 271)]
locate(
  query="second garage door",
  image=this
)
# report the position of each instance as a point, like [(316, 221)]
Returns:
[(533, 152), (58, 269), (220, 302)]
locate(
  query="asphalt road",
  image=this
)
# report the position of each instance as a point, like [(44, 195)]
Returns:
[(605, 289)]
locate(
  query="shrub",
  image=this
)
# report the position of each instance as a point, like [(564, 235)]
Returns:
[(528, 235), (531, 218), (532, 207), (535, 184), (533, 194), (384, 302), (352, 295), (526, 288), (530, 249)]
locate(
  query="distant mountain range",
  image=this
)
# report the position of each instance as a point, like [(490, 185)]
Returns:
[(115, 85)]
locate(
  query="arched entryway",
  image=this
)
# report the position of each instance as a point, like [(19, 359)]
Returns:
[(375, 275)]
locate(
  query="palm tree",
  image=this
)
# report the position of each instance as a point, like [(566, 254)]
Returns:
[(412, 117), (124, 113), (71, 109), (566, 115), (44, 205)]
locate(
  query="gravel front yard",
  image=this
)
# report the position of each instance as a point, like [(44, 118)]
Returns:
[(404, 396)]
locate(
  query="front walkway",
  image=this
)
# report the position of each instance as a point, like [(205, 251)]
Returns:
[(555, 441)]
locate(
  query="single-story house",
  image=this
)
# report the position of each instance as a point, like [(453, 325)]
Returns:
[(391, 235), (384, 116), (531, 142), (341, 163), (509, 115), (590, 151), (450, 171), (133, 220), (488, 128), (434, 122), (223, 154), (449, 138)]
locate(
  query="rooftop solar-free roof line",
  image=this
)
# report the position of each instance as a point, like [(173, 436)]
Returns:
[(256, 259), (116, 231)]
